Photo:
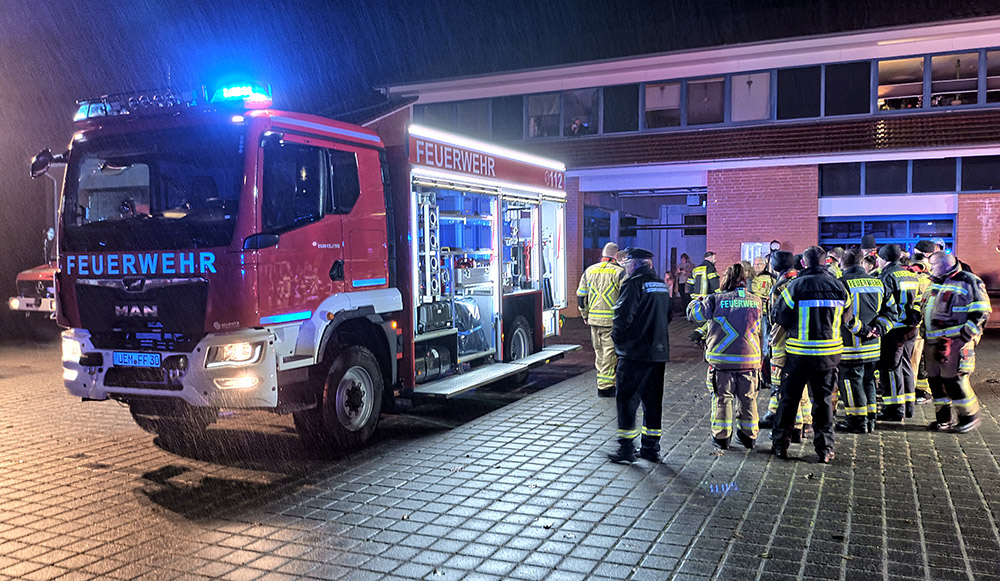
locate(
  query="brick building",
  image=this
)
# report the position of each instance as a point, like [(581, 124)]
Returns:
[(811, 140)]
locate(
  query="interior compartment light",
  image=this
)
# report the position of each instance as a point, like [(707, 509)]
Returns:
[(232, 354)]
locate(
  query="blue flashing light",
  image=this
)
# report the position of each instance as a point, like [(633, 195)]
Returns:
[(251, 96), (285, 318)]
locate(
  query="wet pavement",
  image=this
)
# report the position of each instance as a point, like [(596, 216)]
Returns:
[(506, 484)]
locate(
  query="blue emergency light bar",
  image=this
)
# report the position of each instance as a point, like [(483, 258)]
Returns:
[(249, 96)]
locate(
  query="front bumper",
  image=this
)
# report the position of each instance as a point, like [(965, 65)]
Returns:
[(32, 305), (197, 385)]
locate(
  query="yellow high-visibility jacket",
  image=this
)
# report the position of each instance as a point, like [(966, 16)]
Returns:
[(598, 292)]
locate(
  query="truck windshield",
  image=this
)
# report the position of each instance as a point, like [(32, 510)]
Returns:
[(155, 190)]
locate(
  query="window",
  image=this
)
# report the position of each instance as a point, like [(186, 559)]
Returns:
[(543, 115), (933, 175), (751, 95), (294, 179), (901, 84), (346, 185), (883, 229), (981, 173), (993, 76), (705, 101), (885, 177), (840, 230), (663, 105), (507, 117), (596, 227), (696, 220), (903, 230), (473, 118), (954, 79), (798, 93), (848, 88), (840, 179), (621, 108), (437, 115), (580, 112), (932, 228)]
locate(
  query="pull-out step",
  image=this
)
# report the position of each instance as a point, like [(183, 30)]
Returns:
[(463, 382)]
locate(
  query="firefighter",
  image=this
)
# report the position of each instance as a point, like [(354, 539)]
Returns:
[(872, 316), (811, 310), (895, 371), (596, 296), (782, 263), (733, 353), (955, 312), (639, 331), (833, 261), (761, 285), (705, 280), (922, 268)]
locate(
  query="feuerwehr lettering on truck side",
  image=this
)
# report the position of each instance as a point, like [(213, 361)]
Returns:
[(124, 264)]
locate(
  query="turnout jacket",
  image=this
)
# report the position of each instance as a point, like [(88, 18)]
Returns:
[(903, 285), (734, 323), (811, 310), (598, 292), (777, 335), (642, 313), (704, 280), (871, 308), (955, 307)]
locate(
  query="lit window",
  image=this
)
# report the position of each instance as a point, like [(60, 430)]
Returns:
[(954, 79), (751, 96), (993, 76), (580, 109), (901, 84), (663, 105)]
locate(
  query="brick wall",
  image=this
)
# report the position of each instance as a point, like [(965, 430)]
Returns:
[(976, 235), (574, 243), (760, 205)]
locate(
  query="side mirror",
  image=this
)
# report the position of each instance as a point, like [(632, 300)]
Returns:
[(43, 160)]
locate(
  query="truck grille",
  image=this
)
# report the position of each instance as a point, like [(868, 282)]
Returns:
[(140, 379), (168, 307), (145, 340)]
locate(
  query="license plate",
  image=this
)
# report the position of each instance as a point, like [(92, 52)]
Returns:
[(135, 359)]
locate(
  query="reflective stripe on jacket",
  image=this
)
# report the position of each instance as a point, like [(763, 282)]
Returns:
[(734, 321), (904, 287), (811, 310), (871, 308), (777, 336), (598, 292), (704, 280)]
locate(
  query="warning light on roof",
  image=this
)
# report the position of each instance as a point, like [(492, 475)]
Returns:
[(251, 96)]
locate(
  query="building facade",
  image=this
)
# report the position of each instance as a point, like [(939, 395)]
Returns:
[(892, 132)]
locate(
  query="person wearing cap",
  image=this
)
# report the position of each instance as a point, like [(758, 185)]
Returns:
[(782, 262), (639, 332), (898, 382), (955, 312), (868, 245), (733, 352), (872, 315), (928, 247), (811, 310), (596, 297)]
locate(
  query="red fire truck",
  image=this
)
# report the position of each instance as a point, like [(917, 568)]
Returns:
[(217, 253)]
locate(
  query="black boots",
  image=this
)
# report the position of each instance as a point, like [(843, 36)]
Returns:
[(624, 455), (853, 425), (746, 440)]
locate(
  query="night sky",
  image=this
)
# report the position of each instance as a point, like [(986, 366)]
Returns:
[(326, 56)]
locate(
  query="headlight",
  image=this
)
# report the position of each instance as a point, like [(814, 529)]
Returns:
[(15, 303), (233, 354), (71, 351)]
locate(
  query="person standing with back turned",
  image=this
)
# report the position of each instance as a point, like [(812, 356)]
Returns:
[(639, 331), (596, 297)]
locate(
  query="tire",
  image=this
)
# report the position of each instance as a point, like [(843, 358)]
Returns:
[(518, 342), (351, 403), (173, 420)]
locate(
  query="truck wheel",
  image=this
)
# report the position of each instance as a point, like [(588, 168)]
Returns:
[(176, 421), (351, 404), (519, 340)]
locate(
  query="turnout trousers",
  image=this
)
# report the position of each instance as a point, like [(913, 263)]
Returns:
[(803, 414), (917, 364), (640, 382), (949, 379), (734, 389), (896, 373), (605, 358), (857, 388), (802, 370)]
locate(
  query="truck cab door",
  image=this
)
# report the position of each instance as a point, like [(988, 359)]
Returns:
[(359, 197)]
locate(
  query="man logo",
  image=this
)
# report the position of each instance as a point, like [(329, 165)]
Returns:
[(136, 311)]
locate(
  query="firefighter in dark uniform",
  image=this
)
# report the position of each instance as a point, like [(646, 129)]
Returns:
[(639, 331), (733, 352), (704, 278), (895, 372), (872, 316), (956, 308), (811, 309)]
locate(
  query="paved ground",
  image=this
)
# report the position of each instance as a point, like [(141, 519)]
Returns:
[(502, 486)]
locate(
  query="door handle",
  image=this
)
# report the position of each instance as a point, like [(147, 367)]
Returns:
[(337, 270)]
